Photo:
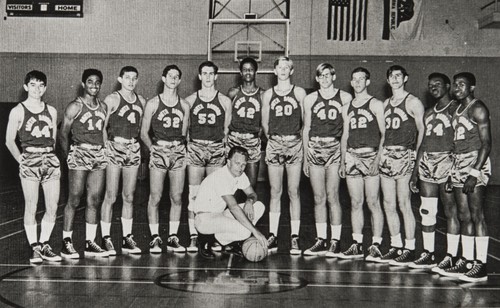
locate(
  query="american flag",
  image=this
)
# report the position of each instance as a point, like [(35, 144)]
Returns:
[(347, 20)]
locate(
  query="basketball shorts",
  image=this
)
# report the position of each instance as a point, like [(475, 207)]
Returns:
[(461, 168), (250, 142), (435, 167), (205, 153), (40, 167), (358, 163), (284, 150), (123, 154), (87, 157), (397, 163), (169, 156), (323, 152)]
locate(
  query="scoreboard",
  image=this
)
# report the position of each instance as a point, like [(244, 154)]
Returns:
[(44, 8)]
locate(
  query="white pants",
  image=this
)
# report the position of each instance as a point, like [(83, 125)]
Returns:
[(225, 227)]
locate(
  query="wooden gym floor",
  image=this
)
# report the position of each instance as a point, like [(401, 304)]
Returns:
[(187, 280)]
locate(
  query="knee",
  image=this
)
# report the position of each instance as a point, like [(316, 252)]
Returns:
[(154, 200), (464, 216), (319, 199), (293, 193), (276, 192), (128, 198), (259, 209), (199, 223), (110, 198), (175, 199)]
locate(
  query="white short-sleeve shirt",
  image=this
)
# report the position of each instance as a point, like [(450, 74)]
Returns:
[(220, 183)]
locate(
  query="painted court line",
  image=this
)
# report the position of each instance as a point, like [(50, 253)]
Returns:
[(21, 218)]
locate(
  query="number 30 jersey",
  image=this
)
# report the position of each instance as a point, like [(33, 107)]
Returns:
[(466, 131), (363, 127), (438, 130), (246, 114), (88, 124), (125, 121), (37, 129), (167, 121), (285, 114), (206, 119), (400, 126)]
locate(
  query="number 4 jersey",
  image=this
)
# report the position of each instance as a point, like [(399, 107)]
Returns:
[(37, 129), (125, 121), (88, 124)]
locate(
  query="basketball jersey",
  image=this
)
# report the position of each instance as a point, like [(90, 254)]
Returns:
[(326, 117), (37, 129), (167, 121), (466, 137), (88, 124), (125, 121), (438, 130), (285, 114), (401, 129), (363, 127), (206, 119), (246, 112)]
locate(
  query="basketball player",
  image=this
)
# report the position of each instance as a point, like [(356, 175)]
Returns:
[(321, 140), (217, 212), (168, 115), (209, 118), (362, 141), (470, 175), (282, 124), (433, 167), (84, 118), (403, 136), (244, 129), (35, 123), (125, 110)]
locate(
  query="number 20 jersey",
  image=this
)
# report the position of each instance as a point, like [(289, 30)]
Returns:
[(285, 114), (125, 121), (37, 129), (206, 119), (246, 112), (438, 130), (88, 124)]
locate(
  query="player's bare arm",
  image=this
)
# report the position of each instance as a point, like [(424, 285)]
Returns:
[(70, 113), (266, 100), (185, 121), (151, 107), (15, 121), (232, 92), (308, 102), (112, 102), (416, 110), (344, 138), (226, 104), (420, 152), (300, 94), (377, 107)]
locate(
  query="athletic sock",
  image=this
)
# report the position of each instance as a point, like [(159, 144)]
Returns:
[(452, 241), (127, 226), (274, 220), (154, 228), (428, 238), (295, 226), (46, 230), (377, 239), (410, 244), (482, 248), (468, 247), (31, 233), (67, 234), (336, 231), (321, 230), (192, 229), (173, 227), (90, 231), (105, 228), (396, 241), (358, 238)]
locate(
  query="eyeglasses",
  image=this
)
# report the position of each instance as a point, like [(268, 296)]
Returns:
[(323, 76)]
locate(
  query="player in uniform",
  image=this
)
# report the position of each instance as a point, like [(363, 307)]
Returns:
[(84, 118), (35, 123), (125, 110), (403, 136), (321, 140), (433, 167), (362, 141), (167, 115), (282, 124), (209, 118), (470, 174), (244, 129)]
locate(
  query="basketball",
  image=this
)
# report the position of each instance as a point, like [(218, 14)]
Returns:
[(253, 250)]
